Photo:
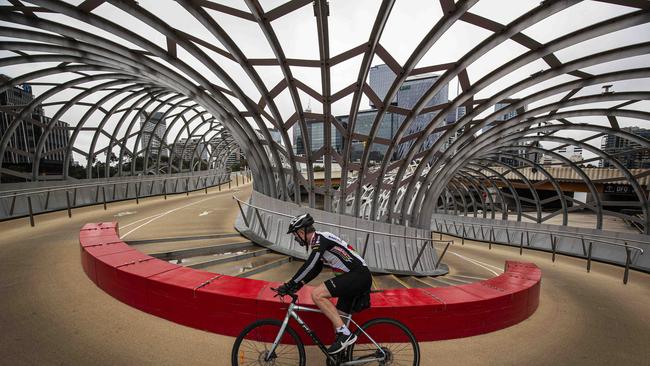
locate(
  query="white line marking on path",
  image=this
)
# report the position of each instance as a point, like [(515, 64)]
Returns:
[(125, 213), (205, 213), (479, 263), (156, 217)]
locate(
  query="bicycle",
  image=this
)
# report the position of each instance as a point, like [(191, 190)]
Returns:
[(274, 342)]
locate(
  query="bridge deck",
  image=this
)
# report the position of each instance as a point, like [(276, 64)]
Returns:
[(52, 314)]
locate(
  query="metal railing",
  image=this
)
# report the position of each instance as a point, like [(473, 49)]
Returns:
[(257, 210), (200, 181), (554, 236)]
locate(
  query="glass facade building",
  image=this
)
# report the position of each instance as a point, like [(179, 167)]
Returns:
[(627, 152), (154, 131), (316, 133), (23, 141), (380, 79)]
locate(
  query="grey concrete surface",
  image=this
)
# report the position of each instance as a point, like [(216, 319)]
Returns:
[(52, 314)]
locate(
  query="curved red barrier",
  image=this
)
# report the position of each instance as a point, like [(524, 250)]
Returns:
[(225, 305)]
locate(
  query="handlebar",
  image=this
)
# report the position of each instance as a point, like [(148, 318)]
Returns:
[(293, 296)]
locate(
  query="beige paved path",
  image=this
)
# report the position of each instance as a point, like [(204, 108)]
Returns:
[(52, 314)]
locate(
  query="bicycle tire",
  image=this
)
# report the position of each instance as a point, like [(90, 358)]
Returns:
[(261, 334), (395, 338)]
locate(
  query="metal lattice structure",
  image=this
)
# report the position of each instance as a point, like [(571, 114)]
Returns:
[(213, 86)]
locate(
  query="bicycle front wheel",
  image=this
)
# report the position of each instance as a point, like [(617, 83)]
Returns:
[(397, 344), (253, 345)]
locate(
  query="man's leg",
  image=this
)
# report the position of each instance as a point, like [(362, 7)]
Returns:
[(321, 296)]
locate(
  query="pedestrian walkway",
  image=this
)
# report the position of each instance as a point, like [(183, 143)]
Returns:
[(52, 314)]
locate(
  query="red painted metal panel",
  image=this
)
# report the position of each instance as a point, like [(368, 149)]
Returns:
[(108, 248), (100, 229)]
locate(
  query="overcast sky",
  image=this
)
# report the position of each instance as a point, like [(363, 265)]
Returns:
[(350, 23)]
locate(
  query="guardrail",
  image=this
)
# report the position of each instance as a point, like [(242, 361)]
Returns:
[(32, 201), (378, 267), (560, 242)]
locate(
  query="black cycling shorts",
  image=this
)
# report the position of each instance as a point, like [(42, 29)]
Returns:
[(348, 286)]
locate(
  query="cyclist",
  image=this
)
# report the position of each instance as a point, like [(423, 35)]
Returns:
[(356, 279)]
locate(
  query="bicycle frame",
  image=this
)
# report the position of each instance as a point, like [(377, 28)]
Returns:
[(292, 313)]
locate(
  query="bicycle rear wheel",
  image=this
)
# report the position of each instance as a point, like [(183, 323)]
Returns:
[(252, 346), (397, 342)]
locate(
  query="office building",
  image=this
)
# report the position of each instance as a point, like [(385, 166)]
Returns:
[(380, 79), (629, 153), (154, 127), (573, 153), (316, 133), (24, 139), (194, 148)]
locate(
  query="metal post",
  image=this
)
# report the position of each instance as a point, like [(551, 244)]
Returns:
[(219, 185), (47, 200), (31, 213), (584, 249), (205, 185), (521, 244), (527, 238), (13, 204), (417, 259), (464, 233), (243, 215), (553, 246), (137, 193), (627, 264), (187, 186), (406, 252), (74, 198), (104, 196), (259, 218), (237, 179), (67, 199), (508, 236), (589, 258), (363, 253), (229, 182), (165, 188), (443, 254)]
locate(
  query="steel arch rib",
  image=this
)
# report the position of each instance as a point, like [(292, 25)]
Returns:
[(511, 29), (575, 37)]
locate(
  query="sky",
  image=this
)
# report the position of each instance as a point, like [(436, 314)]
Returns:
[(350, 23)]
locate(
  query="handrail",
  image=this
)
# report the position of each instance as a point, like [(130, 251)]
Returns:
[(66, 188), (570, 235), (346, 227), (412, 265), (587, 251), (15, 193)]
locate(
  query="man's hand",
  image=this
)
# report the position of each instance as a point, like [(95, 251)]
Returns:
[(288, 288)]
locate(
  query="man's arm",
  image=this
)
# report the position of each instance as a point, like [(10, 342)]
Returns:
[(310, 269)]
